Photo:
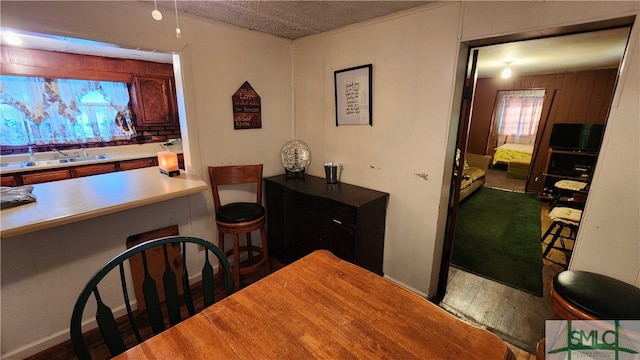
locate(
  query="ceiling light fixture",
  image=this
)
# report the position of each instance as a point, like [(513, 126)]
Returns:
[(506, 72), (178, 32), (156, 14)]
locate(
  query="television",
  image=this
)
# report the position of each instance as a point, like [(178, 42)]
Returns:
[(576, 137)]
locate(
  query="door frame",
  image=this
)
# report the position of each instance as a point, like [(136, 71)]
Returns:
[(465, 53)]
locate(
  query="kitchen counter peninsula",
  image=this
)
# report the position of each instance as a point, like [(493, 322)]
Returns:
[(68, 201)]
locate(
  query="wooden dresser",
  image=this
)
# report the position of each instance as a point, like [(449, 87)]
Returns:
[(308, 214)]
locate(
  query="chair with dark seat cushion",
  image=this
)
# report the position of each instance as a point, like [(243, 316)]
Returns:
[(236, 218), (562, 218), (168, 307), (582, 295)]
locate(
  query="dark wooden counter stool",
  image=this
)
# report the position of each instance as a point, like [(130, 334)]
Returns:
[(562, 217), (238, 218), (582, 295), (568, 188)]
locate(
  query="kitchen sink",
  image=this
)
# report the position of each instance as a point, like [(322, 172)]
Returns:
[(88, 158), (44, 162)]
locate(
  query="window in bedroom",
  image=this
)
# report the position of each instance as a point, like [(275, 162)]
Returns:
[(42, 111), (517, 115)]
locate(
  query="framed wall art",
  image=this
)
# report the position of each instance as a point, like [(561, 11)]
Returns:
[(353, 95)]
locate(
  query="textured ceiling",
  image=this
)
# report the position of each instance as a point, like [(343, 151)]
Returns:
[(289, 19), (295, 19)]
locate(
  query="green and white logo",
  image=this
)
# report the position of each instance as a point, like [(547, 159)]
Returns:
[(592, 339)]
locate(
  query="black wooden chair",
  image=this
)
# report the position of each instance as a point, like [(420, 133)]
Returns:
[(169, 306), (237, 218)]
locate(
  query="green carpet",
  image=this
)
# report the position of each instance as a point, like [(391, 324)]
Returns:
[(498, 237)]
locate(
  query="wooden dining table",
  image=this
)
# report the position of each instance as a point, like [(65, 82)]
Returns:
[(321, 307)]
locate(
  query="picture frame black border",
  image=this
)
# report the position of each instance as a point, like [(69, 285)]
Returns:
[(370, 84)]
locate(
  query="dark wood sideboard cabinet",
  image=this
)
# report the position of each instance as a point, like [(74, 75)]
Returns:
[(308, 214)]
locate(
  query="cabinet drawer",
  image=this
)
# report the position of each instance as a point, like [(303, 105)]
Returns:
[(318, 205), (343, 215), (40, 177), (9, 181), (88, 170), (137, 164)]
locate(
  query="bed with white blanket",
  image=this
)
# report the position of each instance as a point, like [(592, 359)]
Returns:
[(508, 152)]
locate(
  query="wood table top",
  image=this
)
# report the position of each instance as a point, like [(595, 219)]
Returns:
[(323, 307)]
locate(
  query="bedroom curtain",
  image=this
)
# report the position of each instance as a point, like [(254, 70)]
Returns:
[(518, 115)]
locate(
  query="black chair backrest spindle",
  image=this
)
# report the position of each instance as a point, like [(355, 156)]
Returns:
[(112, 330)]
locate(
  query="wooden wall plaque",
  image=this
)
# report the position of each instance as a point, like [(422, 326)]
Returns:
[(246, 108)]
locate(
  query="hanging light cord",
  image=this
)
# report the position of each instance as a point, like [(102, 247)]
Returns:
[(178, 32)]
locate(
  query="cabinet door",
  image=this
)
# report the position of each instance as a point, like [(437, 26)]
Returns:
[(343, 241), (45, 176), (305, 231), (137, 164), (153, 100), (88, 170), (8, 181)]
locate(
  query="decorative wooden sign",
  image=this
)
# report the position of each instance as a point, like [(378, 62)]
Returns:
[(246, 108)]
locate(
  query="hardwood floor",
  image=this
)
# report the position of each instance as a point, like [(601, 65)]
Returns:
[(514, 315)]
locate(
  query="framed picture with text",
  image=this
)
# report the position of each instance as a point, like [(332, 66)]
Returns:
[(353, 95)]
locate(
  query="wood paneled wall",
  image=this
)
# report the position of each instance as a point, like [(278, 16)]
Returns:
[(31, 62), (573, 97)]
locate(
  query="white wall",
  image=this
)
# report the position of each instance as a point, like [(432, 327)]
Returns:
[(413, 57), (403, 153), (42, 273), (609, 237)]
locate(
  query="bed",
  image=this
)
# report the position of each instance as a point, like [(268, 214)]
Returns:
[(507, 152)]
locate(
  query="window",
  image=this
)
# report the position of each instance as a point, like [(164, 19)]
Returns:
[(41, 111), (517, 116)]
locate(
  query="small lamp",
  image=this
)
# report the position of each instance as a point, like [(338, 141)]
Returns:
[(168, 163)]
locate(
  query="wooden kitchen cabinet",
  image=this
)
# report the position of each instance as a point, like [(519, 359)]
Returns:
[(95, 169), (8, 181), (308, 214), (137, 164), (45, 176), (154, 100)]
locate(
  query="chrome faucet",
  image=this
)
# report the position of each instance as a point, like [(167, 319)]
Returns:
[(55, 156)]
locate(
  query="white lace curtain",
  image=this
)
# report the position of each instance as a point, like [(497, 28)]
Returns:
[(40, 111), (518, 114)]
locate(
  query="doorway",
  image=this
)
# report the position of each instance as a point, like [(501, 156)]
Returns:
[(515, 316)]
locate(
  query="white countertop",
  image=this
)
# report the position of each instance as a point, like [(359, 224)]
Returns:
[(67, 201)]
